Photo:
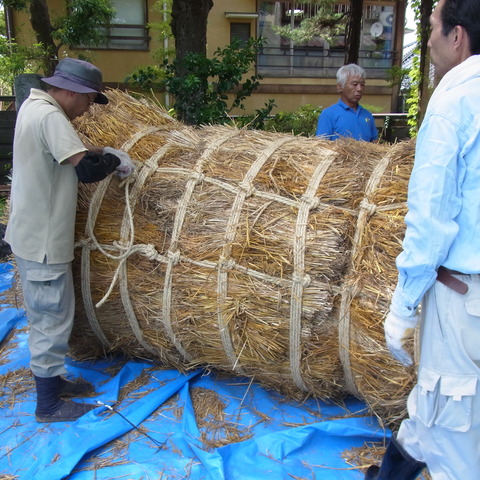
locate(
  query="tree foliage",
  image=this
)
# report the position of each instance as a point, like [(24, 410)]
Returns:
[(83, 24), (205, 90), (328, 25), (420, 77), (17, 59), (325, 24), (163, 30), (201, 90)]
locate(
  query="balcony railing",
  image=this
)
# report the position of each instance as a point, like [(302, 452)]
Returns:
[(320, 63)]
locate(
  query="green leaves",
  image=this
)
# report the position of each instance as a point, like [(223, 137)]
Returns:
[(17, 59), (325, 24), (201, 85), (149, 77), (85, 24), (17, 4), (301, 122)]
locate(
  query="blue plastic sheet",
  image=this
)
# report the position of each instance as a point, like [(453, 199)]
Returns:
[(168, 427)]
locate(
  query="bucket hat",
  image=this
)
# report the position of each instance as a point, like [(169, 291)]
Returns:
[(78, 76)]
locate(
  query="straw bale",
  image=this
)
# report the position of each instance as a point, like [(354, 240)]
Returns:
[(261, 254)]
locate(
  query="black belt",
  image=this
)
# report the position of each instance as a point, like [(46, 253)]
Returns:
[(446, 276)]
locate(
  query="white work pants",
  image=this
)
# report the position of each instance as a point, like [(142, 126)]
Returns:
[(50, 305), (443, 428)]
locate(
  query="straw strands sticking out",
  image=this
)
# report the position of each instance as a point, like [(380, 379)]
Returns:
[(266, 255)]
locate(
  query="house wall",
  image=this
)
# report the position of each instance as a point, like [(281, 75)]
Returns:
[(116, 65), (288, 93)]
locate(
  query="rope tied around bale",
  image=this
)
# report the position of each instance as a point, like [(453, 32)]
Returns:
[(233, 216), (225, 264), (126, 248), (307, 202), (196, 179), (367, 210), (245, 190)]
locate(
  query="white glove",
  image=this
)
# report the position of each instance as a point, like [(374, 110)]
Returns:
[(397, 330), (126, 167)]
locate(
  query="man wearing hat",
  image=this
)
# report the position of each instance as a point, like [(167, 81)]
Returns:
[(49, 159)]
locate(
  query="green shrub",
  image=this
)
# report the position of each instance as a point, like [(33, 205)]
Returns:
[(200, 85), (301, 122)]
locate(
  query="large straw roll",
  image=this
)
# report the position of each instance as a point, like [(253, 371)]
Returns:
[(266, 255)]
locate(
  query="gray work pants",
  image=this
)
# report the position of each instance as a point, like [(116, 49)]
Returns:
[(50, 305)]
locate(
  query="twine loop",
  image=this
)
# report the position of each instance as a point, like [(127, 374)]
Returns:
[(174, 257), (370, 208), (311, 202), (122, 247), (129, 180), (247, 188), (303, 280), (226, 264), (198, 177)]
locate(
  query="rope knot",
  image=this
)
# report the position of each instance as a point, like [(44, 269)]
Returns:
[(226, 263), (198, 177), (369, 207), (312, 202), (304, 281), (247, 187), (174, 257), (84, 243), (150, 252)]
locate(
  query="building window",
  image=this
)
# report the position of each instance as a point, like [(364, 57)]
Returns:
[(128, 29), (318, 57), (239, 31)]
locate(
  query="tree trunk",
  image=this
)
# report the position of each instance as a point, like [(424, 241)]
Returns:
[(426, 8), (189, 26), (353, 31), (40, 20)]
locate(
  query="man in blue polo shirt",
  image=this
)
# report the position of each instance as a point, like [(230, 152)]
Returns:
[(348, 118)]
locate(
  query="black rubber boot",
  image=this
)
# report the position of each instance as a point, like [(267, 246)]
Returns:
[(397, 464), (51, 408), (78, 388)]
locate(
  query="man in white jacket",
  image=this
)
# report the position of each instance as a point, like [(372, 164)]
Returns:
[(440, 266)]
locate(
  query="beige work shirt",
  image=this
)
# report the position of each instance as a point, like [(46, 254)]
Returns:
[(43, 196)]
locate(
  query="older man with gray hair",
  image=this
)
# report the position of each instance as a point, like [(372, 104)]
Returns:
[(347, 118), (49, 159)]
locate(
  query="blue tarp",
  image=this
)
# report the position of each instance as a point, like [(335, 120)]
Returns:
[(203, 425)]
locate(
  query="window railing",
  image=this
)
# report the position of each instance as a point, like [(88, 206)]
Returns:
[(316, 62), (125, 37)]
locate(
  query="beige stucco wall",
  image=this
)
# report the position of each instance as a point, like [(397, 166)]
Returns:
[(218, 27), (291, 102)]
